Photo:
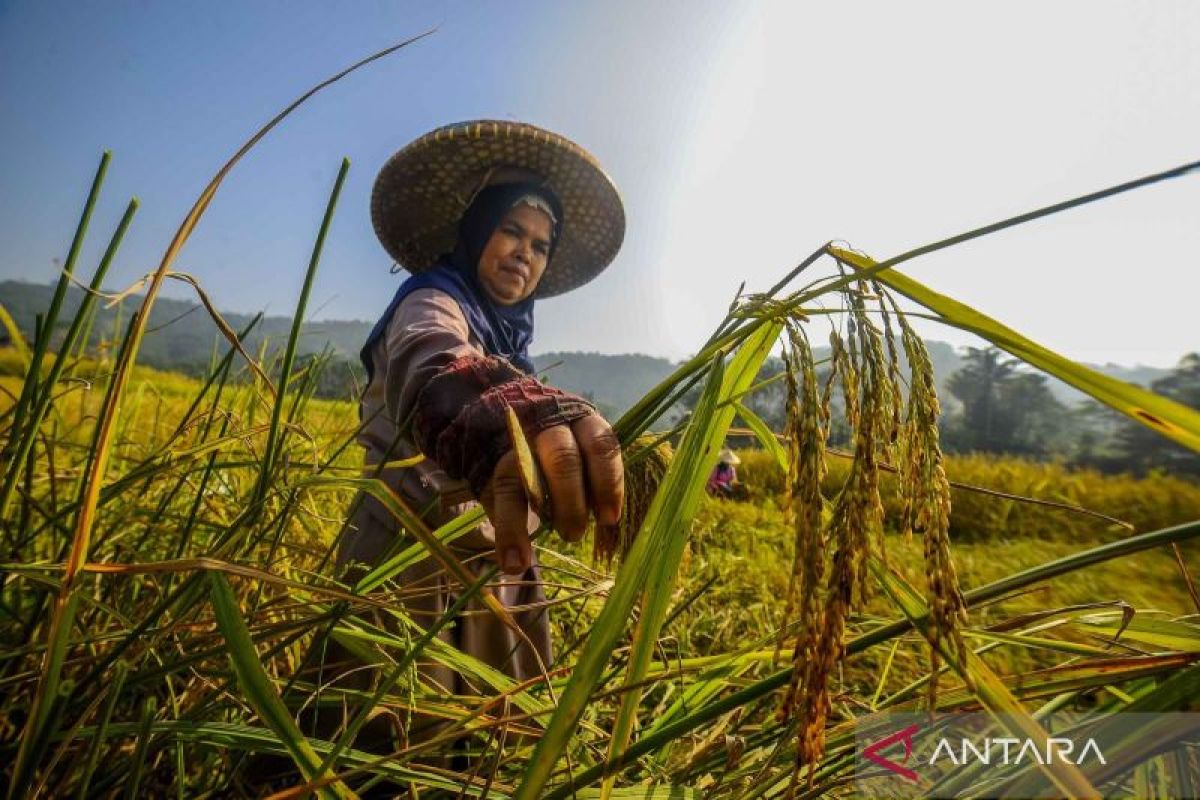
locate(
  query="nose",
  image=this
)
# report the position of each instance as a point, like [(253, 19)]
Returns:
[(523, 250)]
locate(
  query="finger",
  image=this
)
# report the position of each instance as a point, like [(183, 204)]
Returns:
[(562, 467), (504, 500), (602, 462)]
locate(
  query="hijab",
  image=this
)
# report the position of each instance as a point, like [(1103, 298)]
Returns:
[(504, 331)]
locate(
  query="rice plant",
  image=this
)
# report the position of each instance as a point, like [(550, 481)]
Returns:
[(168, 594)]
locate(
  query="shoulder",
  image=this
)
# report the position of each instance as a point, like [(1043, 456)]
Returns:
[(429, 305)]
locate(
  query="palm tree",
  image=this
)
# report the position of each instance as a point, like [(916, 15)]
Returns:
[(978, 385)]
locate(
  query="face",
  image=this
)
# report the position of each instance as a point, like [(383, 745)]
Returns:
[(515, 256)]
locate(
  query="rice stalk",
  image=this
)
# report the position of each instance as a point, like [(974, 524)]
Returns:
[(649, 457), (807, 432), (926, 503), (31, 386), (62, 616), (42, 403), (270, 452), (258, 689), (856, 520), (665, 565), (98, 734)]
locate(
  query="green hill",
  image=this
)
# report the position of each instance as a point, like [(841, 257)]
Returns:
[(182, 337)]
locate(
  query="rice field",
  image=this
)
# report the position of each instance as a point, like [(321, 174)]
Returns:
[(168, 591)]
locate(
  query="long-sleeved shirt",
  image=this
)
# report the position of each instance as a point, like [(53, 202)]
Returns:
[(428, 331)]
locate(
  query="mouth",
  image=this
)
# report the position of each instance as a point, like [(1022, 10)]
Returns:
[(518, 271)]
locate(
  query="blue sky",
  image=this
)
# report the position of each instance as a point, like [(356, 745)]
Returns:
[(741, 136)]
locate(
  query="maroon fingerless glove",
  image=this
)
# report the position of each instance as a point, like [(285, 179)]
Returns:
[(460, 419)]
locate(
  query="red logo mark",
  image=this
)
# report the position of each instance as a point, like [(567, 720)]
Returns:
[(871, 752)]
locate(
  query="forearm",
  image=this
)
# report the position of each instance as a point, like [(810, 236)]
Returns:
[(460, 415)]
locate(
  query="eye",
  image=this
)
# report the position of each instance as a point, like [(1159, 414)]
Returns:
[(542, 248)]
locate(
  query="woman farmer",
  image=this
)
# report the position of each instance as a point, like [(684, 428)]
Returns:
[(723, 482), (487, 216)]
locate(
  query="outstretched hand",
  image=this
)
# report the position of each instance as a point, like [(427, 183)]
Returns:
[(583, 472)]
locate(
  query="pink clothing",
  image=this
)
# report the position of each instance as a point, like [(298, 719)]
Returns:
[(723, 477)]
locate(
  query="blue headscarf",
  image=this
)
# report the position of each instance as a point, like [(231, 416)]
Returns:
[(505, 331)]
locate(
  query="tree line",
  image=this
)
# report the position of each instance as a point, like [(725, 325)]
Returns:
[(995, 405)]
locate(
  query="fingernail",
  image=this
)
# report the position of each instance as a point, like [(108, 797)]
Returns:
[(512, 559)]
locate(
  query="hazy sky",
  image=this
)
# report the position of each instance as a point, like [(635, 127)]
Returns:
[(742, 136)]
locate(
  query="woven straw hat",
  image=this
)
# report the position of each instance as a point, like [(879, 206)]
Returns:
[(423, 190), (727, 456)]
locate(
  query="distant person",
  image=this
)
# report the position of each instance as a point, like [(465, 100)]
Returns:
[(487, 216), (723, 482)]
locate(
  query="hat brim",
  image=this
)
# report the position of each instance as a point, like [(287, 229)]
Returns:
[(422, 191)]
